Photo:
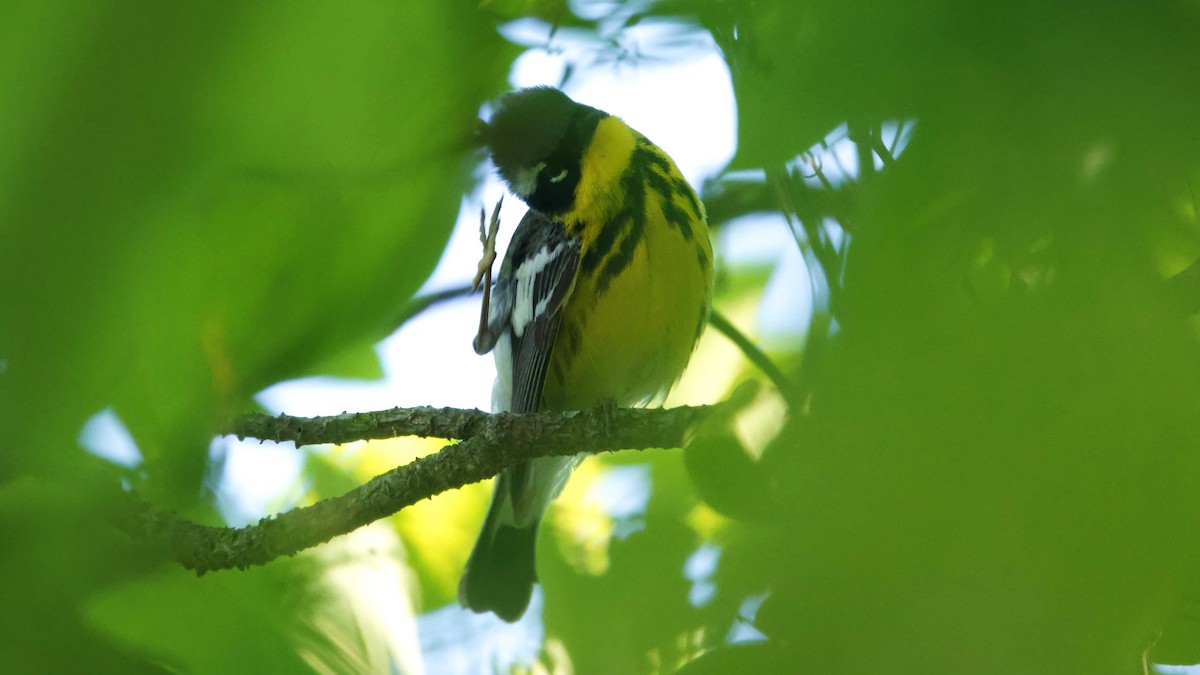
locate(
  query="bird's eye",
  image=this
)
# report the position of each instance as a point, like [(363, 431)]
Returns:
[(558, 178)]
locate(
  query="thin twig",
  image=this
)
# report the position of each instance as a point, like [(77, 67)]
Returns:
[(819, 172), (818, 260), (863, 145), (423, 302), (881, 148), (896, 139), (752, 353)]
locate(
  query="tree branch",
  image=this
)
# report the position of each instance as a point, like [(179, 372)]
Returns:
[(489, 443), (423, 421)]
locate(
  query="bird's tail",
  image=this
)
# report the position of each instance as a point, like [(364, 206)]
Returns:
[(500, 573)]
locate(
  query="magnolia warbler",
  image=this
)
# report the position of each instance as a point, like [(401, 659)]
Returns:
[(601, 298)]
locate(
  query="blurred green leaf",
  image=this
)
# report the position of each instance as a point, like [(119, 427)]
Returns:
[(740, 658), (200, 199), (727, 478), (55, 553), (801, 69), (986, 477), (637, 613), (553, 11), (214, 198), (1000, 440), (1180, 640), (219, 623), (306, 614), (994, 472)]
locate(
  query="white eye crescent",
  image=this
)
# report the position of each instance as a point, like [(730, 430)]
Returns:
[(525, 181), (559, 178)]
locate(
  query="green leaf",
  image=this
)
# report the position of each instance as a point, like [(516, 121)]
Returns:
[(727, 478), (1179, 642), (178, 620), (57, 550), (640, 604), (203, 200), (199, 200), (739, 658), (357, 362)]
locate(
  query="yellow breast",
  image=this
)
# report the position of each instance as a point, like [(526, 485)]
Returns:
[(626, 337)]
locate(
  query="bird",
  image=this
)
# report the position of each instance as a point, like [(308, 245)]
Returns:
[(602, 296)]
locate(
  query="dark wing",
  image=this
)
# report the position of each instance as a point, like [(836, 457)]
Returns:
[(542, 279), (536, 278)]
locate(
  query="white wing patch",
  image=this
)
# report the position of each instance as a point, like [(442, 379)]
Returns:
[(525, 307), (502, 389)]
